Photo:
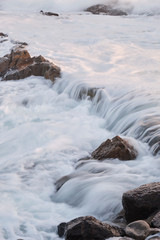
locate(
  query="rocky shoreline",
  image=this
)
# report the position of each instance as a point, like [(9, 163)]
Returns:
[(141, 206)]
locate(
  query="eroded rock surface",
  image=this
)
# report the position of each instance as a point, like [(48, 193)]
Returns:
[(115, 148), (19, 64)]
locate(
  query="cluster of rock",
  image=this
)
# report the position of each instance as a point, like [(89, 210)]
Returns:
[(105, 9), (139, 204), (19, 64)]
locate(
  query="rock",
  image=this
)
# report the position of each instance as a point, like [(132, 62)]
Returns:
[(84, 228), (61, 229), (49, 13), (141, 202), (3, 34), (19, 64), (59, 183), (105, 9), (4, 64), (156, 221), (138, 230), (115, 148)]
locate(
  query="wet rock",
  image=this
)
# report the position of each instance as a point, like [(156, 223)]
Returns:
[(4, 64), (62, 181), (141, 202), (19, 64), (156, 221), (105, 9), (49, 13), (88, 227), (61, 229), (115, 148), (3, 34), (138, 230)]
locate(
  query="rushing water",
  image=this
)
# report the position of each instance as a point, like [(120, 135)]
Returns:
[(110, 85)]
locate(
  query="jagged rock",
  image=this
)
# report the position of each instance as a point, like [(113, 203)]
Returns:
[(105, 9), (19, 64), (138, 230), (88, 227), (141, 202), (115, 148), (156, 220), (49, 13)]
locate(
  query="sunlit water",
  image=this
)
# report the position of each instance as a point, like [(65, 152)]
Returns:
[(110, 85)]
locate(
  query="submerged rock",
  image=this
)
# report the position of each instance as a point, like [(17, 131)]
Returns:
[(84, 228), (19, 64), (141, 202), (49, 13), (105, 9), (3, 34), (115, 148)]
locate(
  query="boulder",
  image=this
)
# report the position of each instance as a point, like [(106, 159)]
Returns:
[(141, 202), (115, 148), (61, 229), (19, 64), (84, 228), (138, 230), (156, 221), (105, 9), (49, 13)]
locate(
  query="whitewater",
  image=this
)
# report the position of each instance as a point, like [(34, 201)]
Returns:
[(46, 128)]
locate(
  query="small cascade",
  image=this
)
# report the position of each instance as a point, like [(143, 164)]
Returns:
[(133, 114)]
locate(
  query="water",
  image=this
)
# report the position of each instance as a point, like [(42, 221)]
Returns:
[(110, 85)]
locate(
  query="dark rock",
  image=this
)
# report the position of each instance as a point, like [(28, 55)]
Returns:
[(3, 34), (156, 221), (61, 229), (59, 183), (19, 43), (105, 9), (84, 228), (49, 13), (4, 64), (138, 230), (141, 202), (115, 148), (19, 65)]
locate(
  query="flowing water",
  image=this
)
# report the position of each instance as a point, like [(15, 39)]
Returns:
[(110, 86)]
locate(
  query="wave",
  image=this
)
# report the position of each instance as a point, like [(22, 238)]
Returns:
[(134, 114), (131, 6)]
